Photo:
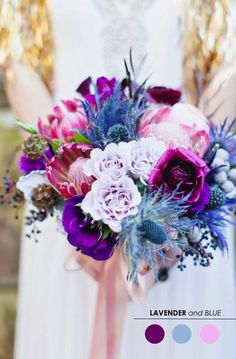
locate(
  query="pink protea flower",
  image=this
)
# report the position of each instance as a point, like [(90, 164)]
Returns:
[(182, 124), (64, 121), (66, 172)]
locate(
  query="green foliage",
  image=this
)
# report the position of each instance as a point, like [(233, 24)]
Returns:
[(56, 144), (79, 138), (28, 128)]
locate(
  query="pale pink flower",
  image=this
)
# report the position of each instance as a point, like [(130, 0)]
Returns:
[(182, 124)]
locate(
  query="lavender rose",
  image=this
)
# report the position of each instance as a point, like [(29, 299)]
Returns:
[(144, 155), (110, 201), (182, 169), (112, 161), (81, 235)]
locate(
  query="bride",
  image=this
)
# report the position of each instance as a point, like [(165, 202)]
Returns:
[(57, 304)]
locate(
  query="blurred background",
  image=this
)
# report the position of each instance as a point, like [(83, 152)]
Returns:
[(10, 231)]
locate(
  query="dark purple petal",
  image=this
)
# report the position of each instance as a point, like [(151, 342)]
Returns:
[(27, 165), (71, 211), (203, 199), (81, 235), (100, 254), (164, 95), (84, 87)]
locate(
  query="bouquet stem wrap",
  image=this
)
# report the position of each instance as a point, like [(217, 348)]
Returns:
[(114, 293)]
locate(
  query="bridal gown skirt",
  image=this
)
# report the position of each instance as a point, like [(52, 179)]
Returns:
[(56, 306)]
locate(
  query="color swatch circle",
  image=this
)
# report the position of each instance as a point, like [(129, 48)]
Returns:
[(154, 334), (181, 334), (209, 334)]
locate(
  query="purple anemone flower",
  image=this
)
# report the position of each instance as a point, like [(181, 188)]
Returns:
[(27, 165), (81, 235)]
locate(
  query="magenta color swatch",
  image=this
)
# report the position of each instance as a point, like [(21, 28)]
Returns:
[(209, 334)]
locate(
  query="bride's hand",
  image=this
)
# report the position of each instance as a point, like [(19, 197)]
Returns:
[(163, 266)]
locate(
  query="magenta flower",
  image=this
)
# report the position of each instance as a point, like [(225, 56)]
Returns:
[(81, 235), (66, 172), (182, 170), (105, 89), (64, 121)]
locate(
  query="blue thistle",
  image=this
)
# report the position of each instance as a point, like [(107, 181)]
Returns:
[(216, 220), (117, 111), (118, 133), (217, 198), (143, 235), (153, 232), (224, 136)]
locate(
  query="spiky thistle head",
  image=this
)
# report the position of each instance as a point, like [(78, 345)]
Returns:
[(217, 198), (117, 117), (158, 224), (224, 136), (118, 133), (216, 221)]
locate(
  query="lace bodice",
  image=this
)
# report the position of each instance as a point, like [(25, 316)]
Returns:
[(92, 37)]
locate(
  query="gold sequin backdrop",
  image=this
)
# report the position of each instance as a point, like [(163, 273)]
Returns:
[(26, 35), (209, 38), (209, 41)]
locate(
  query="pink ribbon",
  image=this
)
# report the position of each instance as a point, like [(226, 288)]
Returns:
[(114, 293)]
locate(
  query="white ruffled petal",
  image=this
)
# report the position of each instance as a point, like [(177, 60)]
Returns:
[(27, 183)]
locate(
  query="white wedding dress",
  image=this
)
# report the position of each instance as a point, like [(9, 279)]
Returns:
[(56, 306)]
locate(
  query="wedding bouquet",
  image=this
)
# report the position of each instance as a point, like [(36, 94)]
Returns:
[(131, 168)]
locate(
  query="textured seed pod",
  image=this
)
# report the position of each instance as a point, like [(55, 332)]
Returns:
[(217, 198), (34, 146), (153, 232), (44, 197), (118, 133)]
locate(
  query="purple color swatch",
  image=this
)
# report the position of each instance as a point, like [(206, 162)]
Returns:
[(154, 334)]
